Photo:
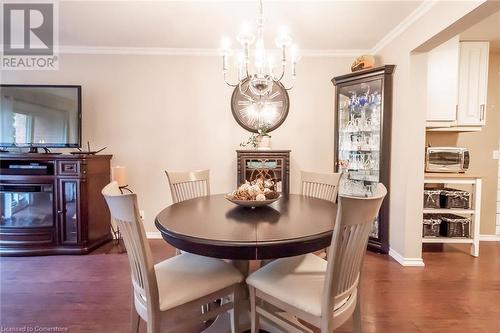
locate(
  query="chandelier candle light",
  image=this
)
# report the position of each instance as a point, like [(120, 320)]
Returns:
[(262, 79)]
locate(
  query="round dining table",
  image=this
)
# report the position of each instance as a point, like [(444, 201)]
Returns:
[(215, 227)]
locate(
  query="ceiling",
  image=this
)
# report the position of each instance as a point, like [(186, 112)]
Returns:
[(314, 25), (486, 30)]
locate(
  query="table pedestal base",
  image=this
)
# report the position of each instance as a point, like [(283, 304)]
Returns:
[(223, 323)]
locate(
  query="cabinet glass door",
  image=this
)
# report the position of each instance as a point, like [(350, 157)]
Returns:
[(359, 141), (266, 168), (26, 206), (69, 210)]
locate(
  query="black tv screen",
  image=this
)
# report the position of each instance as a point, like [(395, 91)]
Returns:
[(40, 116)]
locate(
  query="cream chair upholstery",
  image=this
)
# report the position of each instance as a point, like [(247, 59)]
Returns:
[(166, 294), (185, 185), (323, 293), (322, 186)]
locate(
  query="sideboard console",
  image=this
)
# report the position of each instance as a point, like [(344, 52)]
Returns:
[(52, 204), (273, 164)]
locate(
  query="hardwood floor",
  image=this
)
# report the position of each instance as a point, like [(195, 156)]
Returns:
[(453, 293)]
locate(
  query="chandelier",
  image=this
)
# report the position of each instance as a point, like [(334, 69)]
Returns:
[(256, 65)]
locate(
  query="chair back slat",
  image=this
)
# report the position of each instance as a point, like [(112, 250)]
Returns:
[(355, 216), (320, 185), (124, 211), (187, 185)]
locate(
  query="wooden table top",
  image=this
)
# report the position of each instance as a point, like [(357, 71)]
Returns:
[(213, 226)]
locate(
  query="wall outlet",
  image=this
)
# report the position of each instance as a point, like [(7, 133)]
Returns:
[(496, 154), (143, 216)]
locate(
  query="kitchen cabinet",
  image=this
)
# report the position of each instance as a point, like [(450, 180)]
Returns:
[(457, 79), (473, 83), (442, 82)]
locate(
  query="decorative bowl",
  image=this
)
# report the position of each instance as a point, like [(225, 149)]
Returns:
[(252, 203)]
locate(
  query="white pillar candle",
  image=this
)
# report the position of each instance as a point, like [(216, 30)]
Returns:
[(120, 175)]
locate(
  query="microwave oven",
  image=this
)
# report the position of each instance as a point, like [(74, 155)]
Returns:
[(447, 159)]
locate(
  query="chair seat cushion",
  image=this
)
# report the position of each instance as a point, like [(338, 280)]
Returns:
[(187, 276), (297, 281)]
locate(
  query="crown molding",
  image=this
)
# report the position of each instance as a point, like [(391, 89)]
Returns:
[(159, 51), (105, 50), (403, 25), (334, 53), (152, 51)]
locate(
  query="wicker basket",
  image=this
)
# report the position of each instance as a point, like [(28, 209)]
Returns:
[(432, 198), (452, 198), (431, 225), (454, 225)]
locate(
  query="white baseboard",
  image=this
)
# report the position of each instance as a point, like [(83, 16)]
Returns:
[(489, 238), (153, 235), (407, 262)]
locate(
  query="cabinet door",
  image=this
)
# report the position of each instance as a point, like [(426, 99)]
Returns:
[(69, 211), (442, 82), (473, 83), (267, 167)]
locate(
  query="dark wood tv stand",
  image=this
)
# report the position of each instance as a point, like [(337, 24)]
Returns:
[(52, 204)]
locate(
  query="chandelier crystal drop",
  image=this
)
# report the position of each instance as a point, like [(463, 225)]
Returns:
[(256, 65)]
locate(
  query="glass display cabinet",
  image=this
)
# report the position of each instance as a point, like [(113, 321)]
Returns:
[(363, 140)]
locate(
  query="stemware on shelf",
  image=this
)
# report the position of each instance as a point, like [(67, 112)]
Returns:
[(363, 139)]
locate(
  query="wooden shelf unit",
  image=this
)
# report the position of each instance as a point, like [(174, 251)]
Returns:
[(448, 211), (76, 218), (474, 212), (448, 240)]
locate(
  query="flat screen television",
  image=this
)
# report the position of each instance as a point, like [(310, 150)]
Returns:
[(40, 116)]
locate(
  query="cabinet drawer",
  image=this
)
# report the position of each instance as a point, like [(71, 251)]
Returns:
[(13, 239), (69, 168)]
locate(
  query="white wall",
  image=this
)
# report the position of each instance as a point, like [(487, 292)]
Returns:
[(173, 112), (409, 119)]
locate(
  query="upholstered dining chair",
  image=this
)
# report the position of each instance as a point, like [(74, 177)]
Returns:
[(322, 186), (169, 292), (325, 293), (185, 185)]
